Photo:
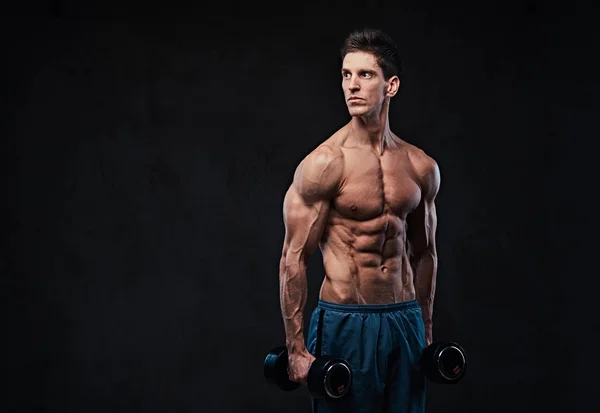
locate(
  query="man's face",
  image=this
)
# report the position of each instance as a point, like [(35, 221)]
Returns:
[(363, 83)]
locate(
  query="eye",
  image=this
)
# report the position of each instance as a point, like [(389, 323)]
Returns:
[(366, 75), (346, 75)]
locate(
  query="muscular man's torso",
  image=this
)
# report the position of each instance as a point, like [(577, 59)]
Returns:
[(364, 244)]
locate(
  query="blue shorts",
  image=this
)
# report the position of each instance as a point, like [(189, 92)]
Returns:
[(383, 344)]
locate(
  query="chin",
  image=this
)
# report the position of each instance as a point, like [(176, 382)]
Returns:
[(358, 111)]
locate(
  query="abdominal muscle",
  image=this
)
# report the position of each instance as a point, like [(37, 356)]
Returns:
[(366, 262)]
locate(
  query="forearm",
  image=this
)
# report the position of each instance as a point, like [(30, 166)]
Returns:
[(292, 295), (426, 270)]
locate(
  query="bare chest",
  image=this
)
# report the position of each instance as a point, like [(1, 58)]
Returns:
[(374, 185)]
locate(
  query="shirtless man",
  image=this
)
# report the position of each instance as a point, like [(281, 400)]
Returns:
[(366, 198)]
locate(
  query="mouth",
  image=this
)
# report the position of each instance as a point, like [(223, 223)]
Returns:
[(354, 99)]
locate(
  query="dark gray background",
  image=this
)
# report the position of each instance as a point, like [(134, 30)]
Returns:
[(147, 150)]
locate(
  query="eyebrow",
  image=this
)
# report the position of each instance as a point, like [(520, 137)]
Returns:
[(359, 70)]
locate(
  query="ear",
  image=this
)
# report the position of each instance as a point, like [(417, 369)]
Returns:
[(393, 86)]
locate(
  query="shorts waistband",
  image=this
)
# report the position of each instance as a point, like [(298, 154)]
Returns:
[(368, 308)]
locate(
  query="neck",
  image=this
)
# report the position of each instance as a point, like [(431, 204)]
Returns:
[(373, 130)]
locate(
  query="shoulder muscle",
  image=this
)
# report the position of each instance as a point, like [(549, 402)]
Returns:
[(427, 171), (319, 174)]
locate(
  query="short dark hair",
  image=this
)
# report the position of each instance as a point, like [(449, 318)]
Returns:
[(379, 44)]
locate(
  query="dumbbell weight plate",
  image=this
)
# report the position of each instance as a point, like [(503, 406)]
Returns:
[(451, 363), (445, 362), (329, 378), (276, 369)]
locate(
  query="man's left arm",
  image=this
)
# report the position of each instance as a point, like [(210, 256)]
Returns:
[(422, 224)]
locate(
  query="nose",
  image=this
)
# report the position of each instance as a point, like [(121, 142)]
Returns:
[(353, 85)]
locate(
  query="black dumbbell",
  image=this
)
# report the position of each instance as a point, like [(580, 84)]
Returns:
[(444, 363), (328, 377)]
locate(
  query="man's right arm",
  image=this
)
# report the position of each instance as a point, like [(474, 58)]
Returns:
[(305, 210)]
